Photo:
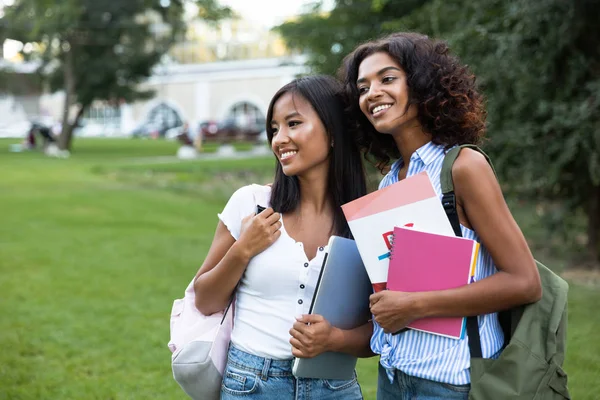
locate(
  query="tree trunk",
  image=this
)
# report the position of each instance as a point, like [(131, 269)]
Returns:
[(594, 226), (64, 140), (66, 135)]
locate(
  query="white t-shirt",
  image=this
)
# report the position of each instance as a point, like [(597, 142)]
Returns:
[(277, 286)]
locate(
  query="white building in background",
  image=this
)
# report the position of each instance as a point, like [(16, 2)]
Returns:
[(17, 110), (215, 74), (215, 91), (191, 93)]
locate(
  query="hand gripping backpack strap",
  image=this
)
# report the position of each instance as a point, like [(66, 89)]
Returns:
[(449, 204)]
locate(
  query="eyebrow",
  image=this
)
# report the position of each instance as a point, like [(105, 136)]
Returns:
[(379, 73)]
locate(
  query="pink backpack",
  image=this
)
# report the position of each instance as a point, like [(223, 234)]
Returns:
[(199, 344)]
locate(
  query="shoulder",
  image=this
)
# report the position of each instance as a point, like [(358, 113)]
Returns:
[(474, 179), (260, 188), (470, 167), (242, 203), (261, 194), (243, 192), (251, 195), (251, 190)]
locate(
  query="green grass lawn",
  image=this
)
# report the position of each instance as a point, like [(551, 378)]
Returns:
[(93, 250)]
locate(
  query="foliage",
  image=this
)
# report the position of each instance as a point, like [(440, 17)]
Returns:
[(538, 63), (98, 50), (328, 36)]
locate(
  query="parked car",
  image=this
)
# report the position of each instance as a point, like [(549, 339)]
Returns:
[(159, 121), (182, 134), (229, 130), (152, 129)]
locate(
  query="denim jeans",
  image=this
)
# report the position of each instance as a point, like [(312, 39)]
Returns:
[(407, 387), (252, 377)]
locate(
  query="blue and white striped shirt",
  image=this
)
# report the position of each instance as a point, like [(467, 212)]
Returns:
[(421, 354)]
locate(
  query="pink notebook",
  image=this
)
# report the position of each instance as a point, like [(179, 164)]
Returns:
[(423, 262)]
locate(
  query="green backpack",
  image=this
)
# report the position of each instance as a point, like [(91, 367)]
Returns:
[(530, 365)]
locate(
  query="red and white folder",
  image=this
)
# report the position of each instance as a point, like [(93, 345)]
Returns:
[(411, 202)]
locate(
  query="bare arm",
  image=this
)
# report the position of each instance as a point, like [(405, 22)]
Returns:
[(222, 269), (355, 341), (517, 281), (482, 206), (312, 335), (227, 259)]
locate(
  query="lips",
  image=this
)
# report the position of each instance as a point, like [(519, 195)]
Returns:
[(287, 154), (378, 109)]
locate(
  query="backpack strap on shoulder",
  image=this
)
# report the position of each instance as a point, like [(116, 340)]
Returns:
[(451, 156), (448, 197), (447, 185), (449, 204)]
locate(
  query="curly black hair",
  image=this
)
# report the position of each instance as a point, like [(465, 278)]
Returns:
[(450, 107)]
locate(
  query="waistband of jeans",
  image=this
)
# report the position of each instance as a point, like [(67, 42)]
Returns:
[(259, 365)]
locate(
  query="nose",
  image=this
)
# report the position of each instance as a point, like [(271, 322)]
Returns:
[(280, 139), (374, 91)]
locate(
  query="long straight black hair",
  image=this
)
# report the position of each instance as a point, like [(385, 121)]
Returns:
[(346, 180)]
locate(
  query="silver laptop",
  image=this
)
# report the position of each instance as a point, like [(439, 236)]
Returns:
[(342, 298)]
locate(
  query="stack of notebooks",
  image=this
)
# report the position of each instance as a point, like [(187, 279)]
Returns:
[(407, 244), (423, 262)]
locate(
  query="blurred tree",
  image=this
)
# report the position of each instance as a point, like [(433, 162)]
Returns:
[(538, 62), (328, 36), (98, 49)]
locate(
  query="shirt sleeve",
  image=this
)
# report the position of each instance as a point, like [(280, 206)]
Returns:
[(385, 181), (241, 204)]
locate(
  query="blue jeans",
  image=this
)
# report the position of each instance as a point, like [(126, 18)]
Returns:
[(406, 387), (252, 377)]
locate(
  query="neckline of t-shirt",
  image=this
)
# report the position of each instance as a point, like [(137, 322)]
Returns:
[(267, 191), (300, 244)]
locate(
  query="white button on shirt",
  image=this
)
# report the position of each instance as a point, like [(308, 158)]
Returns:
[(278, 284)]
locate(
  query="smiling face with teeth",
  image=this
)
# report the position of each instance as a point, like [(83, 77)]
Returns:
[(384, 94), (300, 140)]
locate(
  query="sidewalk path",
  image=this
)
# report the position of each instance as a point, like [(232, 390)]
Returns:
[(218, 155)]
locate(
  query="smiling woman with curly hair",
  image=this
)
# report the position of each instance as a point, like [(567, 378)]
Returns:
[(413, 101), (447, 103)]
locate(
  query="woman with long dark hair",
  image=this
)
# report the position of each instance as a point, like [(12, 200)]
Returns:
[(414, 101), (276, 255)]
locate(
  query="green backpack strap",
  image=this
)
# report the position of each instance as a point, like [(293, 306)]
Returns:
[(451, 156), (447, 185), (449, 204)]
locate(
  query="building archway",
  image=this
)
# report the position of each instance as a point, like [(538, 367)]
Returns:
[(247, 116), (164, 115), (160, 117)]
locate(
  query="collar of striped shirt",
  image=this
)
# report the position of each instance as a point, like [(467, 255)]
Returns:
[(427, 153)]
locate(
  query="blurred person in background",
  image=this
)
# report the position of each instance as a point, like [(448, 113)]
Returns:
[(30, 140), (415, 101), (184, 136), (38, 130), (276, 255), (198, 140), (187, 151)]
